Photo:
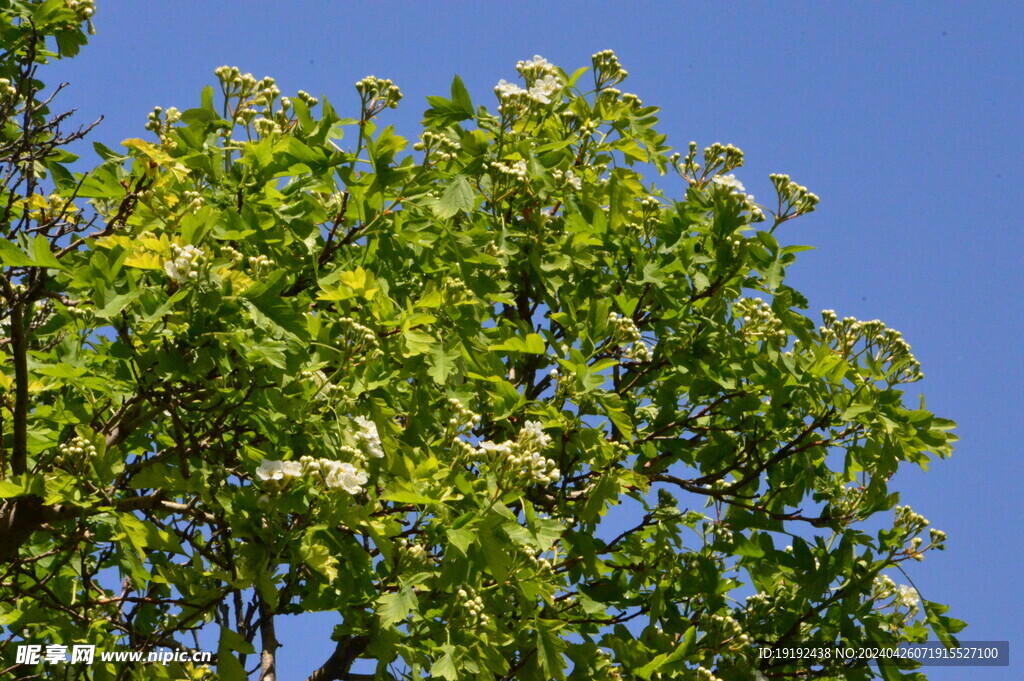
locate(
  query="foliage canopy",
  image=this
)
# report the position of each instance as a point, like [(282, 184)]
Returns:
[(502, 405)]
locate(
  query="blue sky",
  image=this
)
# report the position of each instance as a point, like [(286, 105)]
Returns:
[(906, 119)]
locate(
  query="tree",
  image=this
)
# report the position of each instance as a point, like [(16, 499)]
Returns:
[(506, 408)]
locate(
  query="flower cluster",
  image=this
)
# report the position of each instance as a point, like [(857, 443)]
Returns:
[(795, 199), (733, 186), (413, 555), (368, 437), (233, 255), (516, 171), (624, 330), (886, 345), (632, 100), (730, 630), (186, 263), (520, 461), (566, 179), (719, 531), (536, 68), (903, 596), (333, 474), (759, 322), (265, 127), (543, 81), (358, 337), (607, 69), (473, 605), (84, 8), (542, 566), (377, 94), (437, 145), (251, 93), (259, 265), (7, 90), (463, 417), (194, 199), (307, 99), (76, 449), (160, 120), (730, 182), (705, 674)]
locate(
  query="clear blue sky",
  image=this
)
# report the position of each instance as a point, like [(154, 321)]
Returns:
[(906, 119)]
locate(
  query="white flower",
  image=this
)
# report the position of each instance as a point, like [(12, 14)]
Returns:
[(534, 431), (185, 263), (291, 469), (542, 90), (270, 470), (347, 477), (573, 181), (907, 597), (507, 90), (537, 65), (729, 181), (489, 447), (369, 436)]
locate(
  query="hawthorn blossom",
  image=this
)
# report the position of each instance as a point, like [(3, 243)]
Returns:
[(278, 470), (369, 436), (730, 182), (185, 264), (347, 477), (542, 90), (507, 90)]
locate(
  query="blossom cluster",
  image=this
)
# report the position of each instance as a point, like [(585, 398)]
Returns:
[(185, 264), (759, 322), (887, 344), (797, 197), (516, 171), (84, 8), (462, 416), (7, 90), (902, 596), (730, 629), (194, 199), (624, 329), (735, 187), (333, 474), (359, 336), (543, 81), (607, 69), (377, 94), (566, 179), (160, 121), (368, 437), (413, 555), (473, 605), (535, 68), (521, 459), (259, 265), (437, 145), (76, 450)]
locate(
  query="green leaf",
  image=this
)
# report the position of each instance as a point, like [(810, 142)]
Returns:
[(457, 196), (549, 648), (445, 667), (228, 666), (12, 256), (394, 607), (441, 362), (460, 97)]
